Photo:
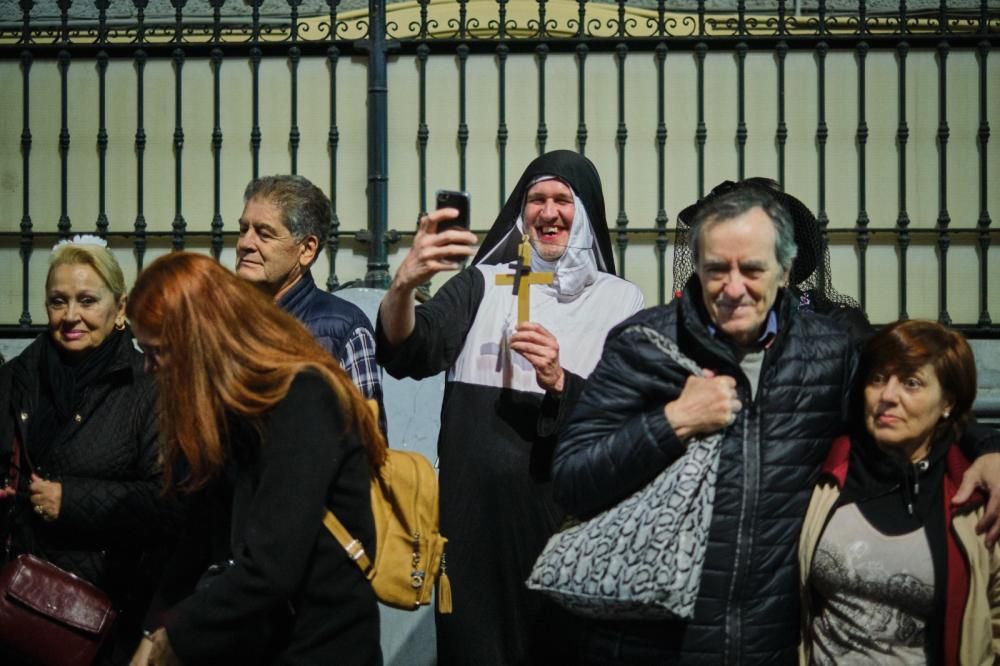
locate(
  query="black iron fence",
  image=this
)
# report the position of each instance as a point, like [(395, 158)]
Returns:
[(418, 32)]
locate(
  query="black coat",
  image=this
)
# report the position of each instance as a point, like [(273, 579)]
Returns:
[(114, 524), (106, 459), (618, 439), (291, 594)]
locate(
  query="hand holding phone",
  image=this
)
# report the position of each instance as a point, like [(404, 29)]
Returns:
[(457, 200)]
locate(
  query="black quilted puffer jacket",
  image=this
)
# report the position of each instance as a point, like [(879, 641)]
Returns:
[(618, 439), (106, 458)]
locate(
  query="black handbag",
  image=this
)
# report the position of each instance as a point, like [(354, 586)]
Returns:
[(49, 617)]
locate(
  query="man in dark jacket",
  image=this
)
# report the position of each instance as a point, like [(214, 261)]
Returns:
[(775, 380), (282, 230)]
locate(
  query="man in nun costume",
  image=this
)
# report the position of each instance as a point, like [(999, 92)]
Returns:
[(509, 385)]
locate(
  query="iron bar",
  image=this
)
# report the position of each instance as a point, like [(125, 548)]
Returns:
[(781, 133), (102, 144), (64, 224), (423, 134), (902, 218), (621, 136), (581, 124), (741, 120), (255, 57), (943, 220), (333, 142), (861, 138), (542, 132), (822, 134), (462, 53), (294, 55), (661, 171), (502, 51), (378, 159), (332, 55), (26, 236), (463, 128), (582, 50), (983, 223), (216, 153), (139, 225)]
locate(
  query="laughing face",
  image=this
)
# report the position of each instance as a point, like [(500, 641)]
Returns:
[(548, 217), (82, 309)]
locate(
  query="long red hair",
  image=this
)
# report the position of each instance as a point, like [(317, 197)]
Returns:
[(229, 350)]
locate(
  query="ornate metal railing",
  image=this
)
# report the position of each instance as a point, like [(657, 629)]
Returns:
[(497, 30)]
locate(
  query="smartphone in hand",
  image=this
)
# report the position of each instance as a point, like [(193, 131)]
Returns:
[(458, 201)]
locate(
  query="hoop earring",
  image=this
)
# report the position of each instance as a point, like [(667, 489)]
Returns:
[(120, 325)]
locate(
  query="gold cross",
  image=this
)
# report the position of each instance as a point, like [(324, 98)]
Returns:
[(523, 275)]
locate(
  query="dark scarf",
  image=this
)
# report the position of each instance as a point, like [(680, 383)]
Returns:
[(915, 487), (64, 381)]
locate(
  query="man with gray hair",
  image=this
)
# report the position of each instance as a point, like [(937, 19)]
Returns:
[(775, 382), (282, 230)]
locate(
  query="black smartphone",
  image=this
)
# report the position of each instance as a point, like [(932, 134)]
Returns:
[(457, 200)]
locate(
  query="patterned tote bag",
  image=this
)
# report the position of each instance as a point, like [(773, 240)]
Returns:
[(642, 558)]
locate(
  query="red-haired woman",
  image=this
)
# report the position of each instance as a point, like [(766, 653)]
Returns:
[(262, 430), (892, 572)]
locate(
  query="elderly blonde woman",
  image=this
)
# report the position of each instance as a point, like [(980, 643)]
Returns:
[(78, 440), (892, 569)]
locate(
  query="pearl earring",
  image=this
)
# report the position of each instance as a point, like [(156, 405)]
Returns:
[(947, 413)]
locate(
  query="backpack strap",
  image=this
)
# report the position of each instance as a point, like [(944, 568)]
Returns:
[(355, 549)]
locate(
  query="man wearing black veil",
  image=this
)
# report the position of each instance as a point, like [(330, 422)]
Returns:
[(509, 384)]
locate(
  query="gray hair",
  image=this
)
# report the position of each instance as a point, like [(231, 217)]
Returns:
[(733, 204), (304, 207)]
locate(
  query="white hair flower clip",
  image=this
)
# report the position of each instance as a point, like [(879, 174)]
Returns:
[(81, 239)]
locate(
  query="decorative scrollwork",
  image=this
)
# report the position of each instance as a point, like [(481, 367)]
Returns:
[(626, 25), (486, 22), (455, 25), (493, 27)]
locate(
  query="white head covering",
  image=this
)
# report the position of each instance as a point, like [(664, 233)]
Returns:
[(577, 268)]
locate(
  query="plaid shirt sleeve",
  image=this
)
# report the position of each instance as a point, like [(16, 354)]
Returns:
[(358, 360)]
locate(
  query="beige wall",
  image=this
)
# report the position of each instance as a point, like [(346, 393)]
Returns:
[(522, 105)]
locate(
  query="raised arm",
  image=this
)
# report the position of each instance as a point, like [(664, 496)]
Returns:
[(430, 254)]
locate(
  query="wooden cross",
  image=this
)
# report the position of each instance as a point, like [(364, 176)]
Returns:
[(523, 274)]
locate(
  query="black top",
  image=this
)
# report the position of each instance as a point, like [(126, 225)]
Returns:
[(104, 455), (291, 594), (97, 436)]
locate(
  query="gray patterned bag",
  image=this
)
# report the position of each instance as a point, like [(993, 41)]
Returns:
[(642, 558)]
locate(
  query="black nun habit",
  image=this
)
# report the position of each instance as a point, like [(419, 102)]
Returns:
[(497, 426)]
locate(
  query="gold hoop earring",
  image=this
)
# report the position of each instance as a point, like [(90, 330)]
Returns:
[(120, 325)]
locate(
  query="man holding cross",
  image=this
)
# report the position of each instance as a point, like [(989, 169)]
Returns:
[(517, 332)]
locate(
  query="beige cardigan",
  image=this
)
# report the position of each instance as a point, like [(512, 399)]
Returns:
[(979, 641)]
